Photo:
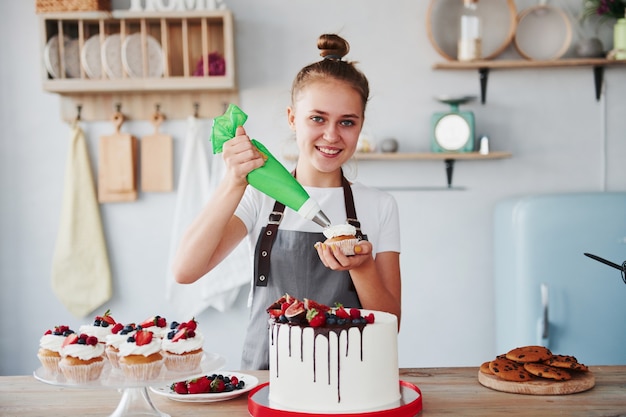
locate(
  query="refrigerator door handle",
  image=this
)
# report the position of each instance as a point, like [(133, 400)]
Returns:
[(543, 324)]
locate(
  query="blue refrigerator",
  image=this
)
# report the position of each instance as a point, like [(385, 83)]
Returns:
[(547, 292)]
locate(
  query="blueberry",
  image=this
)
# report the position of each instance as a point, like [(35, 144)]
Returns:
[(171, 334), (104, 324), (174, 325), (283, 319), (241, 384), (131, 339), (331, 320)]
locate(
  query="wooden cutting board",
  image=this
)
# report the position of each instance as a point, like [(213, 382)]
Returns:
[(581, 381), (117, 155), (157, 159)]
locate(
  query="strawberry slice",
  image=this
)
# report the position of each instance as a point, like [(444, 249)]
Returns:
[(116, 328), (275, 312), (311, 304), (143, 337), (152, 321), (181, 334), (70, 340), (107, 317)]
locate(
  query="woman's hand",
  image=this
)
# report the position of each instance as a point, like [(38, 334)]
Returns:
[(333, 258), (241, 156)]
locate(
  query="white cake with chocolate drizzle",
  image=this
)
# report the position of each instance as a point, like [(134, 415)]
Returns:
[(332, 360)]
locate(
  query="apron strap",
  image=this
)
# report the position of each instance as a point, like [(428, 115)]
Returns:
[(266, 241)]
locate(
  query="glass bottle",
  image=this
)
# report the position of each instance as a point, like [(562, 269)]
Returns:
[(469, 46)]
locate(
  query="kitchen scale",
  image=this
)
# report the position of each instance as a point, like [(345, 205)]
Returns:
[(453, 131)]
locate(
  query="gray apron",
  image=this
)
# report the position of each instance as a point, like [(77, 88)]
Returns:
[(295, 269)]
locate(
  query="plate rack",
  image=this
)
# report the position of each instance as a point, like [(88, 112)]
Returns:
[(188, 83)]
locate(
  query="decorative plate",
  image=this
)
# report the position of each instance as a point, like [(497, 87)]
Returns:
[(111, 56), (250, 381), (132, 56), (91, 57), (71, 58)]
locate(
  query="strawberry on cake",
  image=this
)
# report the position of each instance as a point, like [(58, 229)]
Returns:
[(182, 348), (155, 324)]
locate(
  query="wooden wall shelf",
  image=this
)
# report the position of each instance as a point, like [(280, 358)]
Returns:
[(185, 37), (483, 67), (447, 157)]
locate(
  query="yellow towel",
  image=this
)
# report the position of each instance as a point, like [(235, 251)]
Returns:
[(81, 276)]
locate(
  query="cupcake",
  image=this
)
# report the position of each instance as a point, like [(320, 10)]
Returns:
[(50, 347), (182, 348), (100, 328), (119, 334), (342, 236), (82, 358), (140, 356), (155, 324)]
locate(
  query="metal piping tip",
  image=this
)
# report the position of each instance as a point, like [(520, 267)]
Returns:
[(321, 219)]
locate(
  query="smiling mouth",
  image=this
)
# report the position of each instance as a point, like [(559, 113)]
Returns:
[(329, 151)]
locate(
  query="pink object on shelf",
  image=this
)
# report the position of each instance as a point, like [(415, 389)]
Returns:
[(217, 65)]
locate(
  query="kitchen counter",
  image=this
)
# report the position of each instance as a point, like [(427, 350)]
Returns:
[(445, 391)]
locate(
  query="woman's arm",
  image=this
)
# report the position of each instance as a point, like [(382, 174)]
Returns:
[(216, 231)]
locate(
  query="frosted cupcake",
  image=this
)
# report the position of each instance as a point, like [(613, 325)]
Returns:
[(140, 356), (119, 334), (182, 348), (342, 236), (50, 347), (155, 324), (100, 328), (82, 358)]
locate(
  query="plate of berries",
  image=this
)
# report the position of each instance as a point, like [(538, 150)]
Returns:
[(208, 388)]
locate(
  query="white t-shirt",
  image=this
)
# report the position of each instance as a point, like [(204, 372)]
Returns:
[(376, 210)]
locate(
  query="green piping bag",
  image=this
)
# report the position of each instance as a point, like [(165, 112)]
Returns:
[(272, 178)]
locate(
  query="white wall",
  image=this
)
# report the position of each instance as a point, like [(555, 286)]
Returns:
[(548, 118)]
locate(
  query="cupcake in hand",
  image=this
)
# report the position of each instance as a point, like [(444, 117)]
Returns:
[(182, 348), (82, 358), (140, 356), (342, 236), (50, 347)]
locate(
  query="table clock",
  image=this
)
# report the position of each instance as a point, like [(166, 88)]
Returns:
[(453, 131)]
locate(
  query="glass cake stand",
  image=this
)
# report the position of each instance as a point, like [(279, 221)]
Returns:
[(135, 399)]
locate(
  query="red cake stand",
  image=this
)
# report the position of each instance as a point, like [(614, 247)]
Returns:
[(410, 405)]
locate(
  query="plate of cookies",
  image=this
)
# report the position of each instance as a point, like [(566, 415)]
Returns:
[(535, 370)]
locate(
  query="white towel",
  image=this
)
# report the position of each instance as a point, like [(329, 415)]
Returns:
[(218, 288), (81, 276)]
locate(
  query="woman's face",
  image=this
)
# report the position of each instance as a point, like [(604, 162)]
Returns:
[(327, 118)]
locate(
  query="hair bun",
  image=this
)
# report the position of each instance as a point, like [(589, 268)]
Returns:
[(332, 46)]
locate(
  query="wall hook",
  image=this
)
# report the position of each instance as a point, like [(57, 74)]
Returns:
[(196, 107)]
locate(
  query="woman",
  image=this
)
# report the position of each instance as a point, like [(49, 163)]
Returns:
[(326, 114)]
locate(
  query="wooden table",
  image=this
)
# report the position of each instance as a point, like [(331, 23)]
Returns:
[(446, 391)]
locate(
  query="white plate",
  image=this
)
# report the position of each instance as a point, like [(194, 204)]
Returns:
[(250, 381), (111, 56), (90, 57), (132, 56), (70, 57)]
